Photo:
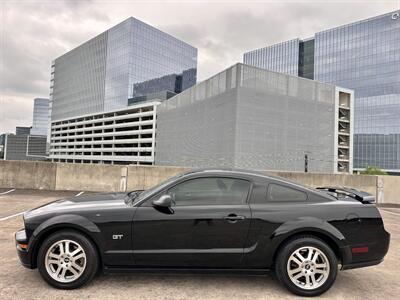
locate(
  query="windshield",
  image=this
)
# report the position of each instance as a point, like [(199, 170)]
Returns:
[(157, 188)]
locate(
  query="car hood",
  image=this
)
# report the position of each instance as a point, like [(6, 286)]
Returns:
[(95, 202)]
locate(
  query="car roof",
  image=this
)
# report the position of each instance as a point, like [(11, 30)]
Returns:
[(236, 171)]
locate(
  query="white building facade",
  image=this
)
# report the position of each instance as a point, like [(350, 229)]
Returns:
[(124, 136)]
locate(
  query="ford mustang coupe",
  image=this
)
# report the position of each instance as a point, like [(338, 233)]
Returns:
[(207, 221)]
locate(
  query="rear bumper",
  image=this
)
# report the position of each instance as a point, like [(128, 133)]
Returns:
[(362, 264), (375, 255)]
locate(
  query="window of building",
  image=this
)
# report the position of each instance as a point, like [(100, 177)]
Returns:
[(210, 191), (280, 193)]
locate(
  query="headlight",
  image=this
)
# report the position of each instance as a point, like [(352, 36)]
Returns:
[(20, 236), (21, 240)]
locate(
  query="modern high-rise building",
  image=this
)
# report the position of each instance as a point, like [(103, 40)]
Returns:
[(249, 117), (104, 72), (363, 56), (40, 117)]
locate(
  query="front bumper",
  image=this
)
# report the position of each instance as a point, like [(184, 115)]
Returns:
[(22, 245)]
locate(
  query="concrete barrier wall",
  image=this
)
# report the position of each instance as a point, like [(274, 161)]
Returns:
[(27, 174), (113, 178), (87, 177), (82, 177), (389, 187)]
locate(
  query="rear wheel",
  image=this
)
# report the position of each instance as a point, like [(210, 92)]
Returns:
[(306, 266), (67, 260)]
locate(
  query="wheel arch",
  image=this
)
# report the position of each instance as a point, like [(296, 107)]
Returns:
[(40, 234), (325, 236)]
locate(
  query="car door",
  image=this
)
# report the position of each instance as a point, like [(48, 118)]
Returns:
[(207, 225)]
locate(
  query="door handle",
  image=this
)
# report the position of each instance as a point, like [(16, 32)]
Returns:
[(233, 218)]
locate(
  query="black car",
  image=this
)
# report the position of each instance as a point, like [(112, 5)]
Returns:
[(207, 221)]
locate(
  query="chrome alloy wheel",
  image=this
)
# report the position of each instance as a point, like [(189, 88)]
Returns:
[(65, 261), (308, 268)]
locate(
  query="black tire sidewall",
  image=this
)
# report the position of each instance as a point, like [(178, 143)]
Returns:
[(91, 259), (284, 255)]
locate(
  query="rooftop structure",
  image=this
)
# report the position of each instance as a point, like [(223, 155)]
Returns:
[(248, 117)]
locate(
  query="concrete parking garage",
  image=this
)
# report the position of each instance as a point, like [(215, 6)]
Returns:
[(16, 282)]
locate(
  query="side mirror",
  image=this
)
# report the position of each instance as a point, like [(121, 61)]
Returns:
[(163, 201)]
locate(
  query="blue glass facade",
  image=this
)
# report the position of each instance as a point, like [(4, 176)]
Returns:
[(282, 57), (138, 53), (101, 74), (365, 56), (40, 118)]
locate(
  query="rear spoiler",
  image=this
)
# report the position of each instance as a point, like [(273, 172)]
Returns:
[(361, 196)]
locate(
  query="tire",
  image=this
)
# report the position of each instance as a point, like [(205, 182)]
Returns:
[(67, 260), (293, 258)]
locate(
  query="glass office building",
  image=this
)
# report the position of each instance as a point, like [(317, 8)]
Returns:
[(363, 56), (40, 117), (103, 73)]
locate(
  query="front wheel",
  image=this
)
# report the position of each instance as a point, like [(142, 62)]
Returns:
[(306, 266), (67, 260)]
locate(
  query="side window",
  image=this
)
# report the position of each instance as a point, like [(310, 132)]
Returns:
[(280, 193), (210, 191)]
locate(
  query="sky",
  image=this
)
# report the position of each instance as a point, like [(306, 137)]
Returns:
[(33, 33)]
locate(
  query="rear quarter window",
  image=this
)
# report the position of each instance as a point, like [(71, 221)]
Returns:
[(281, 193)]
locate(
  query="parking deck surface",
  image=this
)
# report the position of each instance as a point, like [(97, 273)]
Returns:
[(17, 282)]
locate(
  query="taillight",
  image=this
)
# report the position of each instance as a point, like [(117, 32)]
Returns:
[(359, 250)]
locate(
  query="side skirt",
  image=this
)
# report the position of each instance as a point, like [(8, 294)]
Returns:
[(110, 270)]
